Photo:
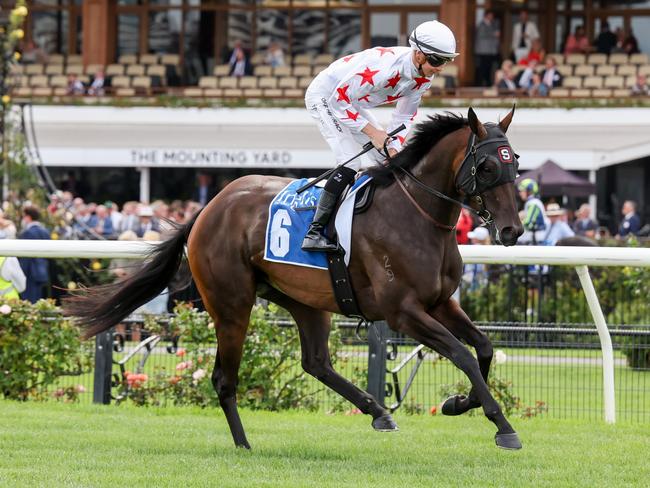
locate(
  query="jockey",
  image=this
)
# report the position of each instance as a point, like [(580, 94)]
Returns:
[(534, 221), (340, 96)]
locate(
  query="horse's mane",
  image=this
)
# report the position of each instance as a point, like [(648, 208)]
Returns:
[(425, 135)]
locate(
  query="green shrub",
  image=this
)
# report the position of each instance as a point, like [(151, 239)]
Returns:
[(37, 345), (270, 375)]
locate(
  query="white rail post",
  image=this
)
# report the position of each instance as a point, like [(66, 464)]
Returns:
[(605, 343)]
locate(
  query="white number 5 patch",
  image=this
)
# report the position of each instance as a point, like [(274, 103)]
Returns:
[(505, 154)]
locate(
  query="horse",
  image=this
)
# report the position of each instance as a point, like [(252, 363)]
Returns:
[(404, 265)]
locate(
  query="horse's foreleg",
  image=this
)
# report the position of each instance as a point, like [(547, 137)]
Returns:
[(452, 316), (414, 321)]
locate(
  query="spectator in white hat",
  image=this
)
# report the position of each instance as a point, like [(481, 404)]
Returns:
[(147, 220), (558, 229), (480, 235)]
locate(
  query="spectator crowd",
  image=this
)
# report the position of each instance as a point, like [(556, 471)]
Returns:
[(69, 217), (546, 225), (550, 224), (528, 69)]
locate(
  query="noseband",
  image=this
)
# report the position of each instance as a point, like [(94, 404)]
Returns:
[(470, 180)]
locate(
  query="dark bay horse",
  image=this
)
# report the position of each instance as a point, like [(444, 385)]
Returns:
[(405, 265)]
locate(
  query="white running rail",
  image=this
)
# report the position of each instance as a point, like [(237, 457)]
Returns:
[(578, 257)]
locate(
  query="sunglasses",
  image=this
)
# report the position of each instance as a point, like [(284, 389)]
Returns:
[(436, 61)]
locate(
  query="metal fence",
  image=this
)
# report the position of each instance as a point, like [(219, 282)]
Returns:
[(548, 358), (548, 369), (554, 371)]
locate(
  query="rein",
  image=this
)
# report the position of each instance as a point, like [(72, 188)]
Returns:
[(483, 213), (417, 205)]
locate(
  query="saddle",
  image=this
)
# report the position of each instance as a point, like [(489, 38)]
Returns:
[(363, 198)]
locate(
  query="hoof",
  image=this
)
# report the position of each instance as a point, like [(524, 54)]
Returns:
[(452, 405), (385, 423), (508, 441)]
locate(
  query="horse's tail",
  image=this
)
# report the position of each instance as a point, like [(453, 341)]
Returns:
[(99, 308)]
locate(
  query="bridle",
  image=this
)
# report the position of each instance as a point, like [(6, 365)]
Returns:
[(469, 180)]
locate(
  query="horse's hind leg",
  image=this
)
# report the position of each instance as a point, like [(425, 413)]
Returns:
[(452, 316), (314, 329), (228, 295), (230, 341)]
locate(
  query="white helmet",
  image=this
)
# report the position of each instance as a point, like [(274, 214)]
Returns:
[(434, 37)]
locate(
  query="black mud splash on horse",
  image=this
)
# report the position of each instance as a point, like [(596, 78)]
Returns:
[(426, 135)]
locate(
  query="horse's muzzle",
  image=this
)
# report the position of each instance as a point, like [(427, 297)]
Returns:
[(509, 235)]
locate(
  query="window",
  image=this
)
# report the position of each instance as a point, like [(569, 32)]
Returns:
[(50, 31), (344, 32), (308, 32), (272, 26), (164, 31), (128, 34)]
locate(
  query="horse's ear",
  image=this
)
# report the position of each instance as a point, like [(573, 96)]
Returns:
[(505, 123), (476, 125)]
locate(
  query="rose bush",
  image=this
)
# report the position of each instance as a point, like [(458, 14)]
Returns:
[(37, 346), (270, 375)]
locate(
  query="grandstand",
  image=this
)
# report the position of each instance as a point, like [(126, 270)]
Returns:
[(594, 75), (183, 48)]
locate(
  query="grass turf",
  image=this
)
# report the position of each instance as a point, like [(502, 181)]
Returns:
[(86, 445)]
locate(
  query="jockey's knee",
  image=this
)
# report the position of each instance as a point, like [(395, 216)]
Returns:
[(341, 178)]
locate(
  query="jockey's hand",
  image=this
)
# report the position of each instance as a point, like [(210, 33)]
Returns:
[(378, 138)]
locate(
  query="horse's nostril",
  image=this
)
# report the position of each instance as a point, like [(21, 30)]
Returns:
[(509, 235)]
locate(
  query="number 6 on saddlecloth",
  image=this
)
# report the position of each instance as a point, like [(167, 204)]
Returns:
[(280, 238)]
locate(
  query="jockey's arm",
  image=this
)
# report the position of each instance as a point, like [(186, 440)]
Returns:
[(403, 114)]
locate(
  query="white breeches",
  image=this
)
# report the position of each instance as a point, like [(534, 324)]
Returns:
[(344, 142)]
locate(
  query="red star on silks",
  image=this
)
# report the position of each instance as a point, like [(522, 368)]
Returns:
[(416, 112), (419, 81), (351, 115), (343, 97), (366, 76), (391, 98), (365, 98), (384, 50), (401, 139), (392, 82), (348, 58)]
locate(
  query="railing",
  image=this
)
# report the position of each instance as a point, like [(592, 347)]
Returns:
[(554, 369), (579, 257)]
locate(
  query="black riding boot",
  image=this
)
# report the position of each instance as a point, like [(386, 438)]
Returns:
[(315, 240)]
